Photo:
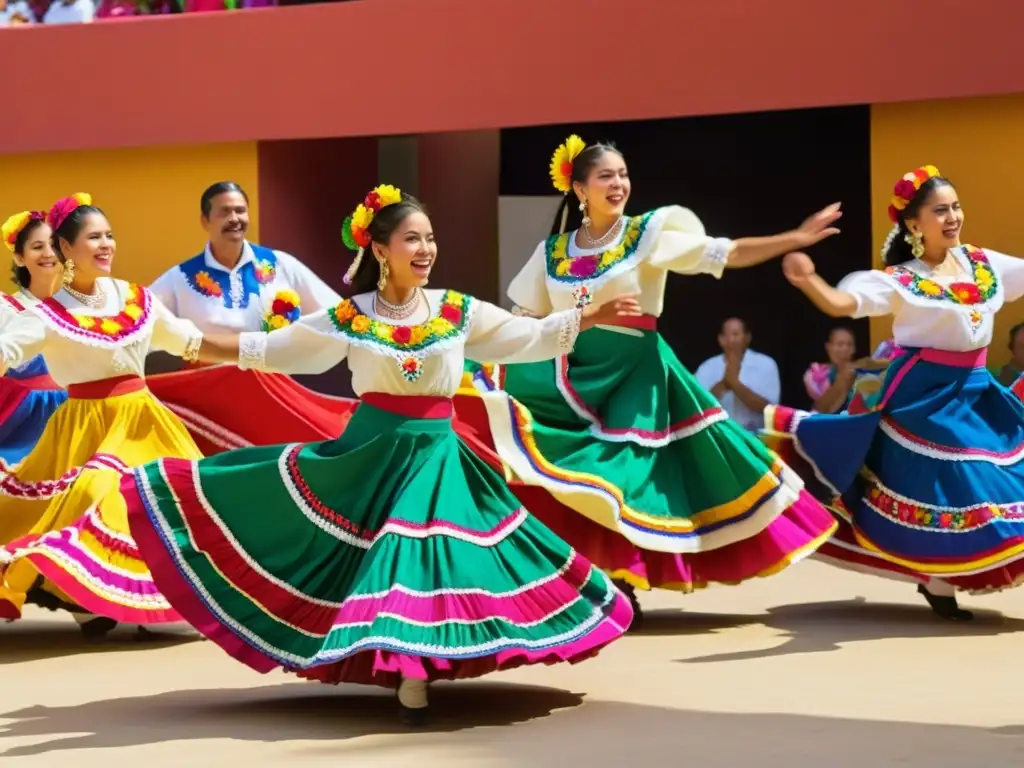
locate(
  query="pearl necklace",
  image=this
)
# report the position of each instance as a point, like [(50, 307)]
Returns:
[(385, 308), (92, 300), (607, 237)]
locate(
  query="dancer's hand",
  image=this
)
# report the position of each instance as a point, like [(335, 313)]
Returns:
[(819, 226), (624, 305), (797, 267)]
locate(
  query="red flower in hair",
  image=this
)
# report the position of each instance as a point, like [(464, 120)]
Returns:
[(452, 314), (905, 189), (894, 215), (362, 238), (372, 202), (922, 175), (401, 334)]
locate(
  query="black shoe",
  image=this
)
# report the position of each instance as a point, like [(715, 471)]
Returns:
[(638, 614), (945, 606), (97, 629), (413, 718)]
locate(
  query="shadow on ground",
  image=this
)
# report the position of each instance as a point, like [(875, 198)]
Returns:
[(33, 640), (556, 729)]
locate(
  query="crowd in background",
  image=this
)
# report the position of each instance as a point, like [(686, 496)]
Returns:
[(22, 12)]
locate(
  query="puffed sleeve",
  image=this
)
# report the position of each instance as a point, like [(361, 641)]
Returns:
[(174, 335), (307, 346), (529, 288), (22, 337), (163, 289), (684, 247), (1010, 270), (874, 292), (313, 292), (497, 336)]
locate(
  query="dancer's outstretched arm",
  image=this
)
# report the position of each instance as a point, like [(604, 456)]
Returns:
[(749, 251), (799, 270)]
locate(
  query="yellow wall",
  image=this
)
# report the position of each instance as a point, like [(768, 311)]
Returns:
[(151, 195), (976, 143)]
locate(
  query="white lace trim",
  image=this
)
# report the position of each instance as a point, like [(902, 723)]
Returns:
[(519, 311), (252, 351), (717, 253), (569, 329)]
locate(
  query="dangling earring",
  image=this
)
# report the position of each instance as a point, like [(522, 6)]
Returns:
[(916, 242), (382, 281), (583, 210), (69, 271)]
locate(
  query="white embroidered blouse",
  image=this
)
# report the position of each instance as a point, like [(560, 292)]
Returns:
[(422, 359), (220, 300), (650, 246), (82, 344), (932, 308)]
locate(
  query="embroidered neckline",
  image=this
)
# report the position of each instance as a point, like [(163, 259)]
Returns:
[(984, 286), (449, 323), (408, 344), (104, 328), (564, 268), (217, 283)]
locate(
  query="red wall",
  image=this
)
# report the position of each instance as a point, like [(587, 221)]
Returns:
[(376, 67)]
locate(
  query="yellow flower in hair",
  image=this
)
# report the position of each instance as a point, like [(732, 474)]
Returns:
[(82, 198), (13, 226), (561, 163), (362, 217), (932, 171), (388, 194), (898, 203)]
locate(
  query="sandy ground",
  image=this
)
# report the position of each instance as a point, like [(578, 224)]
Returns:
[(816, 667)]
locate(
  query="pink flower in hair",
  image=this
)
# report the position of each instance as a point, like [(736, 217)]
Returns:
[(65, 207)]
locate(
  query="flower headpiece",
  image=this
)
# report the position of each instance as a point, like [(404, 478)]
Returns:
[(355, 230), (561, 163), (16, 223), (65, 207), (907, 188)]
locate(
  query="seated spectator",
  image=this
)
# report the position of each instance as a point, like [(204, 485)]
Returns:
[(1013, 369), (832, 385), (15, 13), (744, 381), (70, 12)]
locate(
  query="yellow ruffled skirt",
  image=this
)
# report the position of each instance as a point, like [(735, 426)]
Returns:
[(64, 537)]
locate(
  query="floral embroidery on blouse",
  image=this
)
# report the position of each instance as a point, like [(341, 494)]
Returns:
[(450, 322), (109, 328), (570, 269), (981, 290)]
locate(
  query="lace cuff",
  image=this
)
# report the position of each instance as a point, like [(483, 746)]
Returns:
[(523, 311), (716, 255), (192, 347), (252, 351), (569, 329)]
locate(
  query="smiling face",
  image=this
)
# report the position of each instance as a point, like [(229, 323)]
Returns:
[(939, 219), (228, 221), (410, 252), (606, 189), (93, 248), (38, 256)]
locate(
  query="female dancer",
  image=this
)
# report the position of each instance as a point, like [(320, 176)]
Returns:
[(927, 478), (28, 396), (234, 286), (392, 555), (64, 539), (659, 487)]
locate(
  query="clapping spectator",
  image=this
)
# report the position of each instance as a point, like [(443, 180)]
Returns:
[(70, 12), (16, 12)]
